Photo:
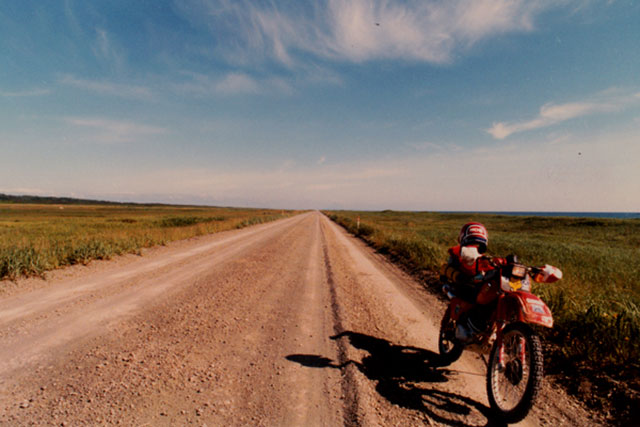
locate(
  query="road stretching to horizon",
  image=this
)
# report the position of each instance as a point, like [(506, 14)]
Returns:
[(294, 322)]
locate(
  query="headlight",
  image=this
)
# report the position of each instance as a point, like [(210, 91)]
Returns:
[(518, 271)]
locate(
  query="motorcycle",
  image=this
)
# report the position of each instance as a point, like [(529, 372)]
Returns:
[(515, 365)]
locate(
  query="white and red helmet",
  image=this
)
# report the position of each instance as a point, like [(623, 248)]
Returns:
[(474, 233)]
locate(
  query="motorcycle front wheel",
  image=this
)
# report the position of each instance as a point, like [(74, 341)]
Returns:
[(513, 387), (449, 347)]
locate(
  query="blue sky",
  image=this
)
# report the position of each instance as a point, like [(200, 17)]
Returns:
[(358, 104)]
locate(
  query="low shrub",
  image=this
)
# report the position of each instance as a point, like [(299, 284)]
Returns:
[(185, 221), (15, 262)]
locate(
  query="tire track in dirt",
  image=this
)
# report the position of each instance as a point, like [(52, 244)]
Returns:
[(349, 387)]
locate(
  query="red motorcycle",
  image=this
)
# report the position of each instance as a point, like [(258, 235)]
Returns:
[(515, 366)]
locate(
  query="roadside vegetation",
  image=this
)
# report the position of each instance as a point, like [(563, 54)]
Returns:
[(595, 342), (36, 237)]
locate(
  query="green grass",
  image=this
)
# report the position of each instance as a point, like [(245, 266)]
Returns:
[(35, 238), (596, 306), (185, 221)]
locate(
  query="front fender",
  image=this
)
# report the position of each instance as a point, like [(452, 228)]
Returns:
[(531, 309)]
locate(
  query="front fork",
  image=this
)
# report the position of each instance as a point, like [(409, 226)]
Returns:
[(521, 350), (500, 344)]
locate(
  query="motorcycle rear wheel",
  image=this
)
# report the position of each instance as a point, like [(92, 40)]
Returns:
[(513, 388), (449, 347)]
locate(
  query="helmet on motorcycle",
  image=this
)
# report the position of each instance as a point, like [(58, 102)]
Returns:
[(474, 233)]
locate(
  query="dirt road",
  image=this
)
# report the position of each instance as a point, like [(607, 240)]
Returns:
[(288, 323)]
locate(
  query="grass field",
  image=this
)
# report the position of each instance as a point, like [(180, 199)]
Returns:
[(596, 306), (35, 238)]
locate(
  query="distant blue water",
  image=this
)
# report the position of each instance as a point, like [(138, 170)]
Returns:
[(619, 215)]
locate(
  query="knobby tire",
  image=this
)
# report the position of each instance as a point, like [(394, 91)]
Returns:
[(449, 348), (534, 381)]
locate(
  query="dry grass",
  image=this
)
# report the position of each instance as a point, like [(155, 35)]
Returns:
[(35, 238)]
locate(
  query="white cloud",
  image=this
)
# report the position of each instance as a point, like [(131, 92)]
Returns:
[(26, 93), (104, 48), (237, 83), (363, 30), (114, 131), (231, 84), (418, 30), (107, 88), (550, 114)]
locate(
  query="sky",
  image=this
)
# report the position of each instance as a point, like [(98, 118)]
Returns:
[(478, 105)]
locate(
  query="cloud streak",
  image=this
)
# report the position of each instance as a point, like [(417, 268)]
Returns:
[(107, 88), (25, 93), (363, 30), (114, 131), (551, 114), (105, 49), (235, 83)]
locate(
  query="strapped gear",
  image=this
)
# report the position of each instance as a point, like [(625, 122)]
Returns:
[(474, 233), (469, 255)]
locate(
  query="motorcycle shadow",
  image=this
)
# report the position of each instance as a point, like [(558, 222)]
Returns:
[(402, 375)]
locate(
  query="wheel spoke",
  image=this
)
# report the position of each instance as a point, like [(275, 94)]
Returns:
[(513, 390), (511, 383), (449, 349)]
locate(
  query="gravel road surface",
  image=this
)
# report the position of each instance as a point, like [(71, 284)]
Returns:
[(288, 323)]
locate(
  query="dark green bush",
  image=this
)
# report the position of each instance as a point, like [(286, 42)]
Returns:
[(185, 221), (15, 262)]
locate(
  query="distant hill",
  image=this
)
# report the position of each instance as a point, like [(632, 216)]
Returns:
[(55, 200), (8, 198)]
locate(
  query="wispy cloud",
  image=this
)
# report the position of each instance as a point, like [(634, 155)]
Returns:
[(231, 84), (362, 30), (105, 49), (107, 88), (551, 114), (114, 131), (237, 83), (417, 30), (25, 93)]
